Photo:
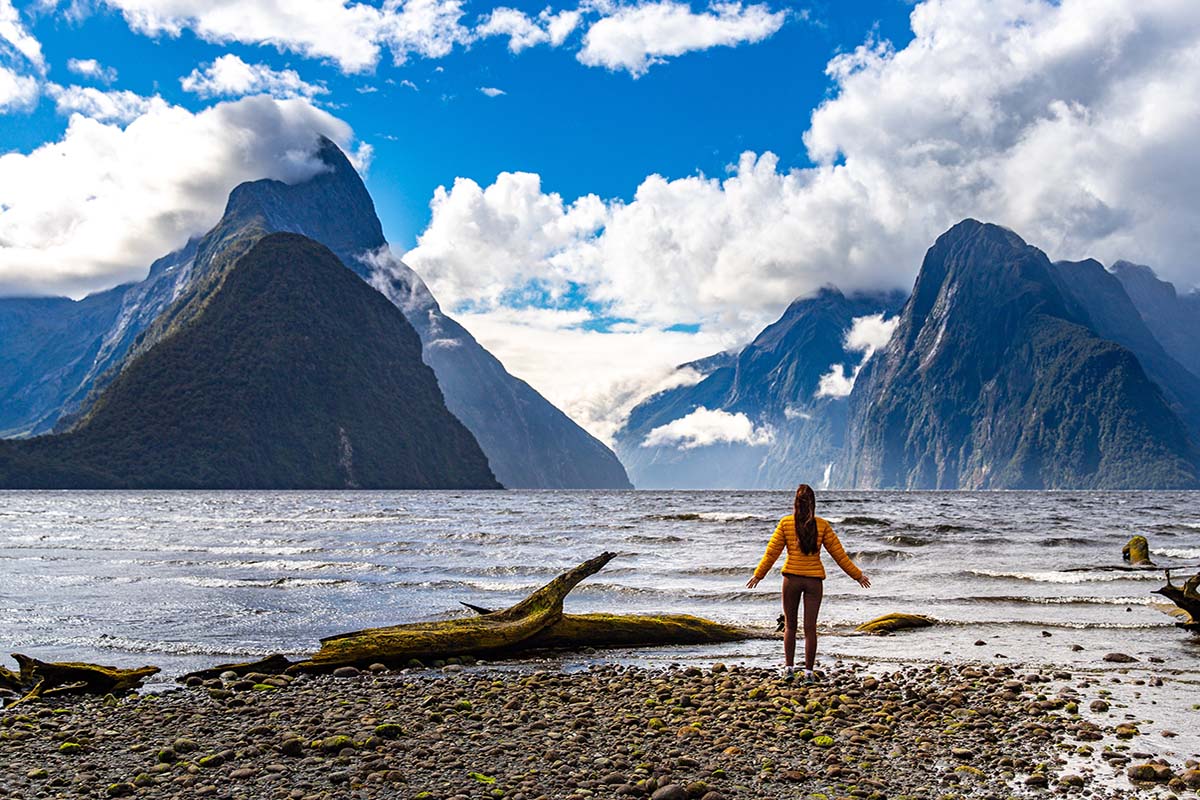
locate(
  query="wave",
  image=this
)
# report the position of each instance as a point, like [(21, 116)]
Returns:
[(711, 516), (907, 540), (260, 583), (1083, 575), (1177, 552), (129, 644), (650, 539), (1063, 541), (876, 556), (947, 527), (723, 571), (1063, 600), (865, 521)]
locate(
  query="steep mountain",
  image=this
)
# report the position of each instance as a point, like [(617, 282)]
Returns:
[(994, 379), (54, 349), (774, 382), (1100, 297), (529, 442), (293, 373), (1173, 318)]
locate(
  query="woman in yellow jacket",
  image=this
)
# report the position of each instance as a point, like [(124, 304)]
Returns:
[(804, 534)]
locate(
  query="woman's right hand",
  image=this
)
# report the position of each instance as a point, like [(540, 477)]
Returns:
[(864, 581), (750, 584)]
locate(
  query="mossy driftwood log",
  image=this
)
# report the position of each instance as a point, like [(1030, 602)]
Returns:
[(890, 623), (51, 678), (536, 622), (1187, 598)]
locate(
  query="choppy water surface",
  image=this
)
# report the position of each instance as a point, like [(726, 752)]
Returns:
[(188, 579)]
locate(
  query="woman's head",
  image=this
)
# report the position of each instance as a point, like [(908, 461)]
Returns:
[(804, 516)]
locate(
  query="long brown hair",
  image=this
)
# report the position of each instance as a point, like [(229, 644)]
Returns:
[(804, 516)]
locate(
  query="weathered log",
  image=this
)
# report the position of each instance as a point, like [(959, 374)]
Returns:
[(1187, 598), (271, 665), (630, 630), (1137, 552), (45, 678), (889, 623), (481, 635), (633, 630)]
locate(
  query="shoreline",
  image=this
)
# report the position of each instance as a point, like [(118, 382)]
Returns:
[(531, 730)]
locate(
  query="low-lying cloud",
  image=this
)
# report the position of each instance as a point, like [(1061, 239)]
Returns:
[(704, 427), (866, 335)]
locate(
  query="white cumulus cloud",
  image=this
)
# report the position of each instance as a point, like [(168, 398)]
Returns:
[(17, 92), (91, 68), (106, 106), (492, 91), (705, 427), (349, 34), (230, 76), (523, 31), (14, 36), (866, 335), (635, 37), (97, 206)]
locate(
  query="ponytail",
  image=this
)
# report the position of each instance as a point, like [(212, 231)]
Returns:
[(804, 517)]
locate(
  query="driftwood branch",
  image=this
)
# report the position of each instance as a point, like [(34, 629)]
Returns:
[(46, 679), (1187, 598)]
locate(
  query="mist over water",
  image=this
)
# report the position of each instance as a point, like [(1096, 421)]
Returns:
[(188, 579)]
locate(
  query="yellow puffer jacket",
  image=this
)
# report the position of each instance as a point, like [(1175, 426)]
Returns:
[(798, 563)]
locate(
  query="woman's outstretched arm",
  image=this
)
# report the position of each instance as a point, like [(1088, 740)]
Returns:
[(834, 545), (774, 548)]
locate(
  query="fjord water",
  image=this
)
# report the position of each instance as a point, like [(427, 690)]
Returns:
[(188, 579)]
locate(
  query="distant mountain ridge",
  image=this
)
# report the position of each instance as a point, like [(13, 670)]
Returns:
[(773, 381), (293, 374), (1174, 318), (529, 442), (1004, 371)]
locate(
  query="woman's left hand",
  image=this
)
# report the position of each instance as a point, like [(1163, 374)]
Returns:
[(750, 584)]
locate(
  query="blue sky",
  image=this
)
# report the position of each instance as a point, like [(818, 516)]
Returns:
[(646, 182), (583, 129)]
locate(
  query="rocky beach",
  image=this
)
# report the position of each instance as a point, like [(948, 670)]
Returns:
[(984, 730)]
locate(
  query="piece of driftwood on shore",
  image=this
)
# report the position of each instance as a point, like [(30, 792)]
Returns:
[(50, 678), (1187, 598), (537, 622), (889, 623)]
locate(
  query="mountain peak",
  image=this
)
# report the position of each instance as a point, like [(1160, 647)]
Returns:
[(306, 207)]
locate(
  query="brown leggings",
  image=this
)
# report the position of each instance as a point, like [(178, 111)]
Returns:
[(795, 586)]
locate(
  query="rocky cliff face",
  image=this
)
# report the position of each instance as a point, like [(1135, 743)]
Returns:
[(774, 382), (995, 379), (293, 373)]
